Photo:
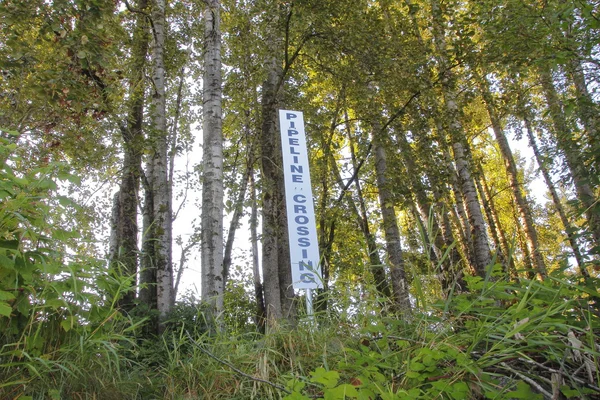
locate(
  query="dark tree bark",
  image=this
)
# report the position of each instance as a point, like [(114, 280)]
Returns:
[(278, 289), (124, 250), (261, 313)]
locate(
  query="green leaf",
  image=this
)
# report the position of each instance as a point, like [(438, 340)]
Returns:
[(66, 324), (569, 393), (416, 366), (295, 385), (327, 378), (5, 309), (523, 391), (7, 263), (341, 392), (460, 390), (9, 244), (4, 296)]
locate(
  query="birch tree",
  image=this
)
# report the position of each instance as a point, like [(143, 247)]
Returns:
[(157, 171), (481, 248), (212, 174)]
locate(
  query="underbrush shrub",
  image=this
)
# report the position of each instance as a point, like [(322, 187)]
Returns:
[(498, 340)]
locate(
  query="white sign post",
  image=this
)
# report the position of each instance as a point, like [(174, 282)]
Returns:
[(304, 246)]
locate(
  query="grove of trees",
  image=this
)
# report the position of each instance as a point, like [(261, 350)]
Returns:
[(455, 157)]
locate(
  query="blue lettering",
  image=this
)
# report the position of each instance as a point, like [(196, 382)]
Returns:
[(297, 178), (302, 231), (290, 115), (306, 265), (297, 168), (299, 209), (304, 242), (307, 278), (299, 198), (301, 219)]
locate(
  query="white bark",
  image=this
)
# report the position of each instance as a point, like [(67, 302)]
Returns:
[(400, 290), (570, 149), (481, 247), (162, 220), (212, 177), (531, 237)]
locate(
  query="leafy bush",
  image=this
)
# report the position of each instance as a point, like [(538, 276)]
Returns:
[(62, 334)]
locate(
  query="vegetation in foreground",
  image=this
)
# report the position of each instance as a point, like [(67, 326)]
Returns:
[(499, 341), (65, 337)]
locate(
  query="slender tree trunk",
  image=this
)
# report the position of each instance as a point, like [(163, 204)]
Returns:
[(270, 185), (376, 265), (212, 161), (424, 205), (238, 209), (480, 242), (481, 248), (505, 246), (531, 237), (400, 290), (159, 182), (587, 109), (453, 271), (326, 221), (261, 313), (569, 148), (487, 207), (124, 232), (569, 229), (460, 212), (452, 267)]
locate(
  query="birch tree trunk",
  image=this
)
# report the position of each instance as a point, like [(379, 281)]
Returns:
[(376, 265), (481, 247), (531, 237), (424, 205), (505, 246), (460, 212), (569, 229), (487, 207), (212, 162), (586, 108), (158, 173), (569, 148), (400, 290)]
